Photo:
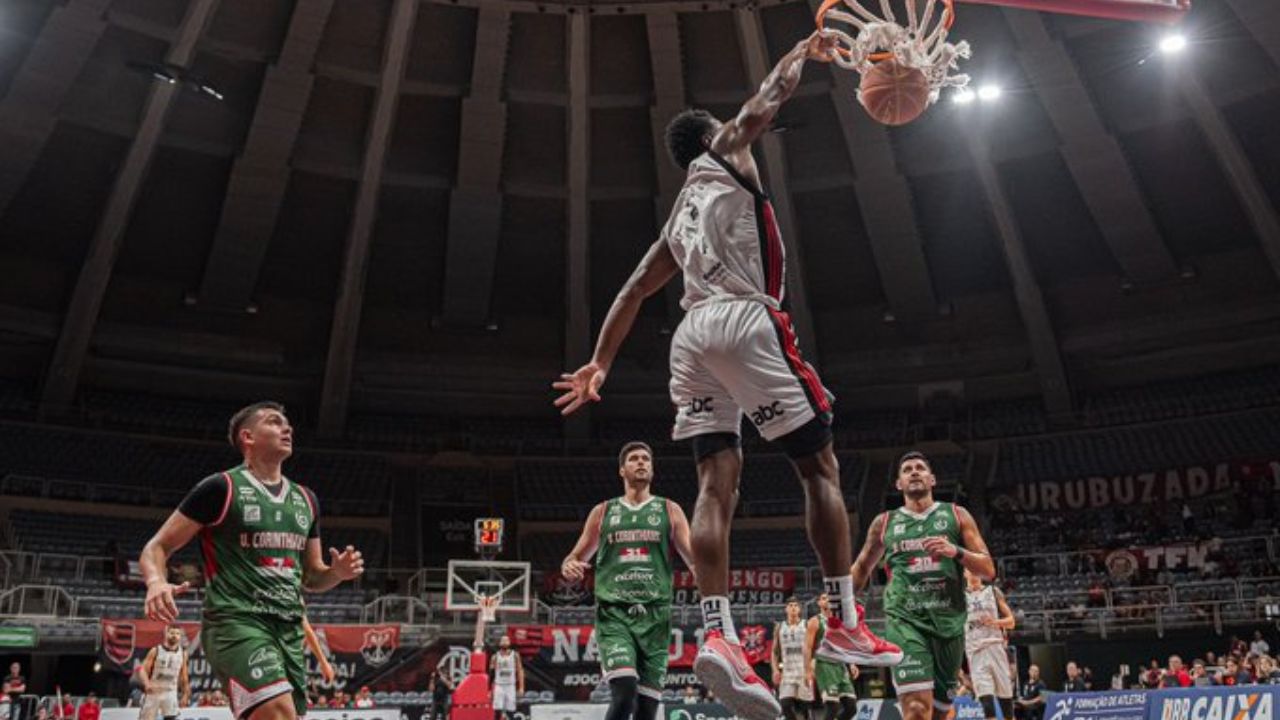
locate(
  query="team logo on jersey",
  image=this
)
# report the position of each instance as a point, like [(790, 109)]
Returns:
[(634, 554), (379, 644), (654, 520), (940, 524), (301, 517), (252, 514), (899, 528), (120, 641)]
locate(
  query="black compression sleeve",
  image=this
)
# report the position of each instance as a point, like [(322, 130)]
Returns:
[(205, 501)]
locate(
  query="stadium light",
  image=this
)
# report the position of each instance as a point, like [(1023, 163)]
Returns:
[(1172, 44), (963, 96), (988, 93)]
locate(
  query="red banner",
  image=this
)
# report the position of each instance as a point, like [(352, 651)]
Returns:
[(750, 586)]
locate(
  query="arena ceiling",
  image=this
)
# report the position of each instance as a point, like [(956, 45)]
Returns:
[(428, 206)]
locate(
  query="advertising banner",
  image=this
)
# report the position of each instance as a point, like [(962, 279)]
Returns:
[(357, 652)]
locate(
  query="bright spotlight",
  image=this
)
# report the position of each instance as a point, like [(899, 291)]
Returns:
[(1173, 44), (989, 92), (963, 96)]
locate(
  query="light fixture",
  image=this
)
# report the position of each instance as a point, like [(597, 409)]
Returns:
[(1171, 44), (987, 93), (963, 96)]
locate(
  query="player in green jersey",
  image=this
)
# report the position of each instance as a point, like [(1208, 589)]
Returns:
[(260, 537), (926, 546), (834, 680), (632, 537)]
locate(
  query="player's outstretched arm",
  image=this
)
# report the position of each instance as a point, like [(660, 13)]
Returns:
[(176, 532), (972, 552), (583, 385), (872, 551), (754, 117), (318, 576), (576, 564)]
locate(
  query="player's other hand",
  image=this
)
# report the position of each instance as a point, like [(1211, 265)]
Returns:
[(574, 569), (580, 387), (940, 547), (348, 564), (160, 604), (989, 622), (821, 46), (854, 672)]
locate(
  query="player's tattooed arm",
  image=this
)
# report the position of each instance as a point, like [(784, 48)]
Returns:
[(872, 551), (576, 563), (758, 112), (1006, 621)]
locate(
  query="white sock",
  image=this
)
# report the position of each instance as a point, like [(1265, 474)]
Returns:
[(716, 615), (840, 599)]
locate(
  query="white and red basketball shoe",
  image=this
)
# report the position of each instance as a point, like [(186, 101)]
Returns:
[(858, 645), (722, 667)]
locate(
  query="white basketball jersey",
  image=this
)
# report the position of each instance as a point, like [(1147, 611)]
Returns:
[(504, 668), (168, 665), (723, 234), (981, 604), (791, 638)]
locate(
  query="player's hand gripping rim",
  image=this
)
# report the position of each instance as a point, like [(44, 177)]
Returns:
[(160, 604), (581, 387)]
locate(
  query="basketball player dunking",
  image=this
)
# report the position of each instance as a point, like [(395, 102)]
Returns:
[(735, 353), (508, 680), (164, 675)]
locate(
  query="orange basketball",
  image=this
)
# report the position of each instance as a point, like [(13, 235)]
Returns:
[(894, 94)]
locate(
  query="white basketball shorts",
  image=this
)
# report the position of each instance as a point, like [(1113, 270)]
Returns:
[(163, 703), (989, 670), (739, 357), (795, 688), (504, 698)]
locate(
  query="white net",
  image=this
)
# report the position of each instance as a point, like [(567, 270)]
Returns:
[(920, 42)]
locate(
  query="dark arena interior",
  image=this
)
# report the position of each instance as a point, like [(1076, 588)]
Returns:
[(403, 221)]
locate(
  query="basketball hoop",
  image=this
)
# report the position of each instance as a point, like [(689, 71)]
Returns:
[(920, 44)]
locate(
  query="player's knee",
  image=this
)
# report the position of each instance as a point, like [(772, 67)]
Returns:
[(917, 706), (647, 703), (804, 444), (280, 707), (622, 698), (988, 706)]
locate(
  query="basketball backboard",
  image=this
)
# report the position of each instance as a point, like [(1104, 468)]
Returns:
[(469, 580)]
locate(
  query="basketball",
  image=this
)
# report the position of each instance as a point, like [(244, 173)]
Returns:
[(894, 94)]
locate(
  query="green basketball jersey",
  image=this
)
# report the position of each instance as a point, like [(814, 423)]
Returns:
[(633, 562), (253, 555), (925, 592)]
